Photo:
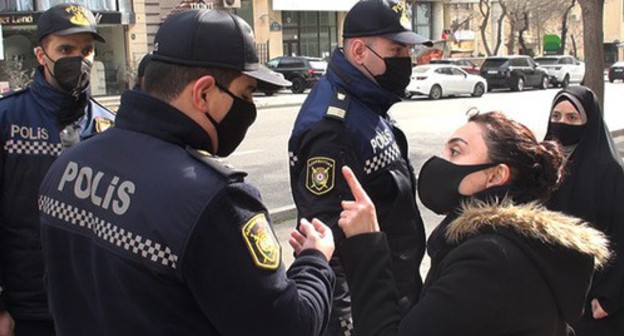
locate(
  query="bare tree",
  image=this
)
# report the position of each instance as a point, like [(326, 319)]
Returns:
[(564, 24), (593, 40), (485, 7)]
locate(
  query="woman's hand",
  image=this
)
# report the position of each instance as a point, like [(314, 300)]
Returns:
[(357, 216)]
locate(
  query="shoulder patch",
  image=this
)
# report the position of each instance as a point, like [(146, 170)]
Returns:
[(101, 124), (263, 246), (338, 106), (218, 164), (320, 175)]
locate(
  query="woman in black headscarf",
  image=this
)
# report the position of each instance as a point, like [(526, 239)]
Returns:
[(593, 191)]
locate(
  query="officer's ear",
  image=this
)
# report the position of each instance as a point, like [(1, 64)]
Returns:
[(201, 91), (356, 50), (40, 55)]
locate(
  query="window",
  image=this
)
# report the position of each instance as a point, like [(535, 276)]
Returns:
[(421, 18), (309, 33), (456, 72)]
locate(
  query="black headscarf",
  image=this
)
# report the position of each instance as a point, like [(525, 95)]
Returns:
[(594, 191)]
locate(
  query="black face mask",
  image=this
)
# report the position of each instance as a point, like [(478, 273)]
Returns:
[(397, 75), (232, 129), (72, 73), (439, 180), (566, 134)]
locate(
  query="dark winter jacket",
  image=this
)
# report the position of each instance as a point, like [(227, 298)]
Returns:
[(503, 269)]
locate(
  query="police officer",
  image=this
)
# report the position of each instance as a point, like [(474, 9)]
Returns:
[(146, 232), (36, 124), (344, 121), (141, 71)]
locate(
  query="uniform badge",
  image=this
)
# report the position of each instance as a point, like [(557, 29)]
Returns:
[(262, 243), (78, 16), (320, 175), (102, 124)]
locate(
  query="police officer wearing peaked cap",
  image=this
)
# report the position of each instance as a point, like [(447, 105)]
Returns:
[(36, 125), (344, 121), (147, 232)]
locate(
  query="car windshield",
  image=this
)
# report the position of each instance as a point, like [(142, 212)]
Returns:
[(420, 69), (494, 62), (547, 61), (319, 65)]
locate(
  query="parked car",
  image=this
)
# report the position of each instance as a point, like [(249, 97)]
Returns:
[(562, 69), (302, 71), (616, 71), (267, 88), (440, 80), (514, 72), (465, 64)]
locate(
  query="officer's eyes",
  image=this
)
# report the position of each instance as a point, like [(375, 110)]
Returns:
[(454, 151)]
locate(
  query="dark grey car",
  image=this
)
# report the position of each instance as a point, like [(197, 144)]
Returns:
[(513, 72)]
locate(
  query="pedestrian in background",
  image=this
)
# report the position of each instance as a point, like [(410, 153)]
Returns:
[(594, 191), (501, 264), (147, 232), (36, 124), (345, 121)]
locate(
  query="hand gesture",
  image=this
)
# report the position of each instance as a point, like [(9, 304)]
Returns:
[(597, 311), (357, 216), (315, 235)]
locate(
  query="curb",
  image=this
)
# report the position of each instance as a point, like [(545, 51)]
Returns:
[(270, 106)]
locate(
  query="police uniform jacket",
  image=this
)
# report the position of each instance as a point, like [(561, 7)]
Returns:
[(145, 235), (344, 121), (29, 143), (501, 268)]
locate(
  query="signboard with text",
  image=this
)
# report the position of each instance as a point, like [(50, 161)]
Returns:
[(316, 5)]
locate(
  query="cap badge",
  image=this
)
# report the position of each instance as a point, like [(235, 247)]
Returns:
[(399, 8), (262, 243), (78, 15), (320, 175)]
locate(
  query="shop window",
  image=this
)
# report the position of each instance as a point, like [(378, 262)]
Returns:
[(309, 33), (246, 12), (42, 5), (421, 18)]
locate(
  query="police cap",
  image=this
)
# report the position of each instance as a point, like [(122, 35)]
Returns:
[(213, 39), (67, 19)]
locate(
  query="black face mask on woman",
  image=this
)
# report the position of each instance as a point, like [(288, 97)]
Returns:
[(397, 75), (72, 73), (566, 134), (439, 180), (232, 129)]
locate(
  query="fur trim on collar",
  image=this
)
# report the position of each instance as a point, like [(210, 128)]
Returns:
[(530, 220)]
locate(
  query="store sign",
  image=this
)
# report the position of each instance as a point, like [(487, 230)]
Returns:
[(31, 18), (17, 19), (317, 5), (465, 35)]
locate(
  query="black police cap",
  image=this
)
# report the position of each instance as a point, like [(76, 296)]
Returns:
[(381, 18), (213, 39), (67, 19)]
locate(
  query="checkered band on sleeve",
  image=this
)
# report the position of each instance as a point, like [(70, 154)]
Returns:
[(383, 159), (108, 232), (32, 147)]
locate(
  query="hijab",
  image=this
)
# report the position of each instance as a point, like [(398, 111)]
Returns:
[(594, 164)]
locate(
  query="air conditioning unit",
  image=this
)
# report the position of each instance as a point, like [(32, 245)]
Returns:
[(231, 3)]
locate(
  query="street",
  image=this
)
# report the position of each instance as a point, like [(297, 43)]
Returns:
[(427, 124)]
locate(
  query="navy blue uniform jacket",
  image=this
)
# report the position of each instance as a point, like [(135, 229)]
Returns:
[(29, 143), (146, 235)]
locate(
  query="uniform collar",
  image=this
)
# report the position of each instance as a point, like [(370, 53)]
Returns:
[(342, 73), (54, 101), (143, 113)]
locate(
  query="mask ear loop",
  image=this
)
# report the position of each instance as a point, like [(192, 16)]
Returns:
[(51, 60)]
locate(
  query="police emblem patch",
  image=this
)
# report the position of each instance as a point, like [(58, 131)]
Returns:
[(262, 243), (78, 15), (102, 124), (320, 175)]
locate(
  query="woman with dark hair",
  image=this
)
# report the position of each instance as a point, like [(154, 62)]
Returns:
[(594, 191), (501, 264)]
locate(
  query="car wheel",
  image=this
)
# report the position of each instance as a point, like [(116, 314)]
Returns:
[(566, 81), (298, 85), (611, 80), (436, 92), (519, 84), (544, 83), (478, 90)]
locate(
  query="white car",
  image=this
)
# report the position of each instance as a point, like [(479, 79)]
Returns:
[(562, 70), (441, 80)]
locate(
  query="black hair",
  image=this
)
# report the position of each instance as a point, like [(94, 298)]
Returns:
[(535, 166), (167, 81)]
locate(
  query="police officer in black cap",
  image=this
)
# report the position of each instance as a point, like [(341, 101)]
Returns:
[(36, 125), (147, 232), (344, 121)]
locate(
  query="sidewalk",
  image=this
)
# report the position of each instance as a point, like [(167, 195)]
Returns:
[(283, 98)]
